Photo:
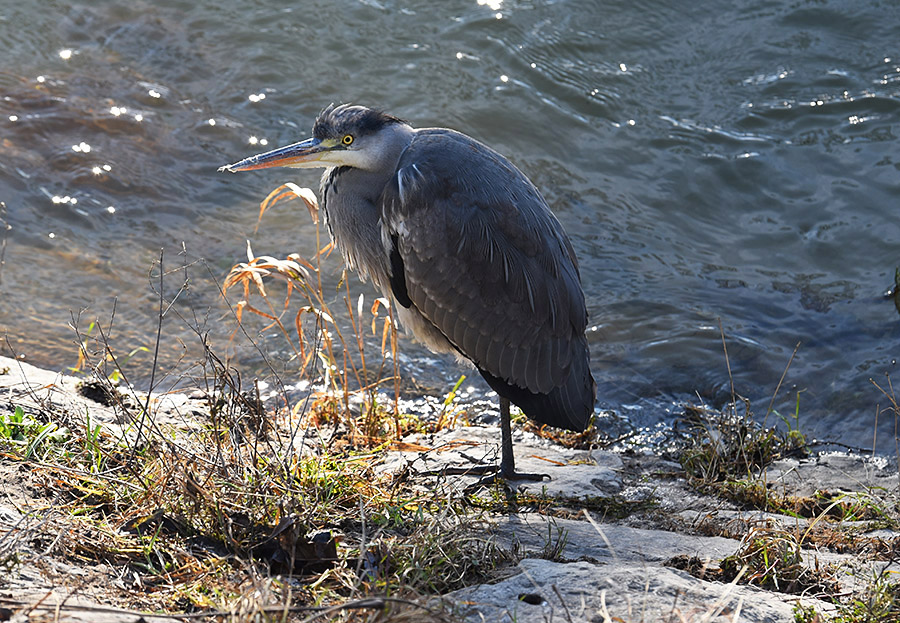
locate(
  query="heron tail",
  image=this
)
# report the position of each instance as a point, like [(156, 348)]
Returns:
[(568, 406)]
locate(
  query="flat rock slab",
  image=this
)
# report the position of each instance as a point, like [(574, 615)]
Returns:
[(548, 591), (54, 606), (603, 542), (833, 472), (22, 384), (572, 473), (617, 557)]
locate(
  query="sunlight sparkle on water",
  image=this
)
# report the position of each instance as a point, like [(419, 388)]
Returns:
[(111, 209), (211, 121), (469, 57), (13, 117), (116, 111), (82, 147), (256, 97), (154, 93), (65, 54), (494, 5)]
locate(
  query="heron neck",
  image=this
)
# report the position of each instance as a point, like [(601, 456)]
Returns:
[(350, 201), (350, 204)]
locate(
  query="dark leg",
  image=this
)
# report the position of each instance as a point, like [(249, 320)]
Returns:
[(507, 470), (507, 458)]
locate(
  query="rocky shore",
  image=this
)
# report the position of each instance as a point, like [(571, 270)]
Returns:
[(608, 537)]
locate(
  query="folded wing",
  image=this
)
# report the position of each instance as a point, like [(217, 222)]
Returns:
[(477, 252)]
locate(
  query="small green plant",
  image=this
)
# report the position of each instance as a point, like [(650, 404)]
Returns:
[(31, 437), (793, 437), (879, 602), (806, 614), (727, 446), (92, 447), (447, 407), (44, 435), (438, 556), (555, 546), (12, 426), (772, 559)]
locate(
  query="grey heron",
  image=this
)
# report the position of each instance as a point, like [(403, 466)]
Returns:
[(467, 250)]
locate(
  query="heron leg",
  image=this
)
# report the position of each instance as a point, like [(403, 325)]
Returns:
[(507, 458), (507, 470)]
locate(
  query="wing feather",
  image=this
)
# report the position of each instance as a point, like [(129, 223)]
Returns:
[(488, 265)]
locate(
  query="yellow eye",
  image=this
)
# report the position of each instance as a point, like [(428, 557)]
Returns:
[(348, 139)]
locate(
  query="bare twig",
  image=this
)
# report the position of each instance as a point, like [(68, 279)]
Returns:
[(780, 381), (5, 228), (728, 366)]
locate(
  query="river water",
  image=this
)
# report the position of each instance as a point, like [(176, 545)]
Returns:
[(732, 164)]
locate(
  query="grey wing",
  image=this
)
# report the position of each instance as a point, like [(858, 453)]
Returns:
[(479, 254)]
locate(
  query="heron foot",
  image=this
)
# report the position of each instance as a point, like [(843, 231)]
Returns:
[(495, 474)]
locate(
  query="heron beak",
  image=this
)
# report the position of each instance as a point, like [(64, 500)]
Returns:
[(299, 155)]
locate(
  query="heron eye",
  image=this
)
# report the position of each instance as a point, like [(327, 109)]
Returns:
[(348, 139)]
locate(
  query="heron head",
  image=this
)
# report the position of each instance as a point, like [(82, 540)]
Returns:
[(344, 135)]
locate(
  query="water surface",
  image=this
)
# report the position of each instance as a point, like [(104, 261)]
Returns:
[(716, 164)]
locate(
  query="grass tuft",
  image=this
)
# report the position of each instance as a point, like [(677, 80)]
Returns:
[(237, 502), (724, 445), (772, 558)]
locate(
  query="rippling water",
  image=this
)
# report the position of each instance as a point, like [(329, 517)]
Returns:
[(713, 162)]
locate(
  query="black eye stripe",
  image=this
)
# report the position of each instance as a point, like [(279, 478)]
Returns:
[(362, 121)]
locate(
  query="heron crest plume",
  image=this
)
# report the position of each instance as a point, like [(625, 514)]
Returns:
[(336, 121)]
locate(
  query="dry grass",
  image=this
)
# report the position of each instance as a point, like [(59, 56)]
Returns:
[(318, 341), (234, 516), (243, 508)]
